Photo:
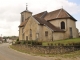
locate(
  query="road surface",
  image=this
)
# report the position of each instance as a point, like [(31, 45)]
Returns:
[(6, 53)]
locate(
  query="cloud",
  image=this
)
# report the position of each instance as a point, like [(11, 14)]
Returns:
[(50, 5), (10, 11)]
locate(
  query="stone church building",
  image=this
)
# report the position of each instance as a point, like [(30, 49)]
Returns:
[(47, 26)]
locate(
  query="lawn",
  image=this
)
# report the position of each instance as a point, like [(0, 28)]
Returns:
[(67, 41)]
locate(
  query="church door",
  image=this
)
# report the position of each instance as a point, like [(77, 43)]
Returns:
[(27, 38), (71, 35)]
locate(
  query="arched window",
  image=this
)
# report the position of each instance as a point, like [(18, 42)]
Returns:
[(30, 33), (62, 25)]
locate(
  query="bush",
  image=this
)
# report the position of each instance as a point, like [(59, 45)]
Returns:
[(31, 42), (17, 42), (59, 44), (34, 42), (50, 44), (28, 42), (23, 42), (39, 43)]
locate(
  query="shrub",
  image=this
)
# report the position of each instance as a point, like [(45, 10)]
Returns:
[(23, 42), (48, 44), (39, 43), (51, 44), (17, 42), (34, 43), (59, 44), (62, 44), (28, 42)]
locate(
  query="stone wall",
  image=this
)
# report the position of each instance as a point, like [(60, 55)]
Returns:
[(48, 49)]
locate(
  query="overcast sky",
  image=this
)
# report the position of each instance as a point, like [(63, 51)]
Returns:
[(10, 12)]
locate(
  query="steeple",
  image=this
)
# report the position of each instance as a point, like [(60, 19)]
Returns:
[(26, 9), (25, 14)]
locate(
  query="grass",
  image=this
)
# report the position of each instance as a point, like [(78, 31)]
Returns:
[(74, 40)]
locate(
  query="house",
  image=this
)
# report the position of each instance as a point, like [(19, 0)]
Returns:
[(47, 26)]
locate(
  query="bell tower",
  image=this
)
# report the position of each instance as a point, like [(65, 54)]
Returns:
[(25, 14)]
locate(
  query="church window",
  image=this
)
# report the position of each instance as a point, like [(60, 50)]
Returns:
[(46, 33), (23, 36), (62, 25), (30, 33)]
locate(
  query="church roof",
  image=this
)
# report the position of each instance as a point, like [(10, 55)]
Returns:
[(58, 14), (23, 23), (41, 14), (26, 11), (49, 25)]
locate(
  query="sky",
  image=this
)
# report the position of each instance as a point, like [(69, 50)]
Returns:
[(10, 12)]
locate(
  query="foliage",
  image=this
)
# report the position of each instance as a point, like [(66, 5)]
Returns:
[(68, 42), (30, 42), (17, 41), (11, 37), (23, 42)]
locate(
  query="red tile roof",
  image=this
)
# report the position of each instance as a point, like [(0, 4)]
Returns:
[(58, 14), (41, 14)]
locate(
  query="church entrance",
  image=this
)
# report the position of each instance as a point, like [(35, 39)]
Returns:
[(71, 35), (27, 38)]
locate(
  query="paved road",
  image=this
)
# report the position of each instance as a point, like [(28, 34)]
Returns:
[(6, 53)]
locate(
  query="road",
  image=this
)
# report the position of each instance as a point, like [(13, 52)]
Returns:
[(6, 53)]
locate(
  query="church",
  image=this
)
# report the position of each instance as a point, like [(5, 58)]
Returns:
[(47, 26)]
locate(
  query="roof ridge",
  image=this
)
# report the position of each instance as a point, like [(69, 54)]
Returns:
[(53, 10), (39, 13), (70, 16), (24, 22), (44, 14), (59, 13), (67, 13)]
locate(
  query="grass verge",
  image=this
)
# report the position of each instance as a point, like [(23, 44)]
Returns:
[(67, 41)]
